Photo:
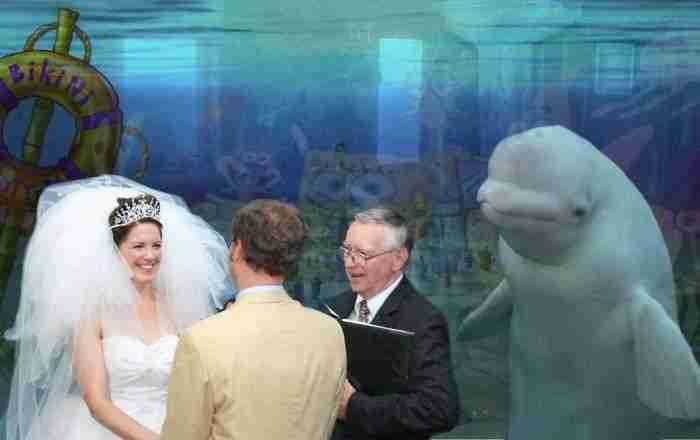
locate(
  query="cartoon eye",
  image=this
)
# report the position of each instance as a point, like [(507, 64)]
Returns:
[(372, 188), (4, 183), (327, 187), (688, 221)]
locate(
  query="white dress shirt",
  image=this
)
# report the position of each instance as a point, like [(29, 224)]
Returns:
[(374, 303)]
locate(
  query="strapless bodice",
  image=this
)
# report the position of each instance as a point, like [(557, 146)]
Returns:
[(138, 376)]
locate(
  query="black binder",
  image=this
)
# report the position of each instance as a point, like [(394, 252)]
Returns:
[(379, 358)]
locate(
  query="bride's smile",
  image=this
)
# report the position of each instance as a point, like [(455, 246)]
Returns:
[(142, 250)]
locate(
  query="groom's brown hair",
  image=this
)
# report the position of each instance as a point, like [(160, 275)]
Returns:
[(272, 234)]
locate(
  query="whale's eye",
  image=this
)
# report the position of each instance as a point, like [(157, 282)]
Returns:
[(579, 212)]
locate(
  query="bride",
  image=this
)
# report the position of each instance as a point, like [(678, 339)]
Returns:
[(112, 271)]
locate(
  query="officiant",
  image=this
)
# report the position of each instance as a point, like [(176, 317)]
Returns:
[(375, 252)]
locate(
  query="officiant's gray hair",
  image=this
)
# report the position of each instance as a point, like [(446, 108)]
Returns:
[(396, 225)]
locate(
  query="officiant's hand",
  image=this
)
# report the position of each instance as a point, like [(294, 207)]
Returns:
[(347, 393)]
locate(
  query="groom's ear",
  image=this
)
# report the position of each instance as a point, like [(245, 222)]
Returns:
[(236, 251)]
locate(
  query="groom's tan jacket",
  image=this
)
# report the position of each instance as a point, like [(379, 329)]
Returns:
[(265, 368)]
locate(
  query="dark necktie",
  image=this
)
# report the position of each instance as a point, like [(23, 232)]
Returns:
[(363, 314)]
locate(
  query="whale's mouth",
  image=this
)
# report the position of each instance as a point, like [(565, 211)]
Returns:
[(519, 214)]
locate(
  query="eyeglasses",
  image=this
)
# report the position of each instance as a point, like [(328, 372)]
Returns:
[(358, 257)]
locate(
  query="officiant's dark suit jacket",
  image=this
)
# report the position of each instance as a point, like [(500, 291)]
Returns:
[(428, 402)]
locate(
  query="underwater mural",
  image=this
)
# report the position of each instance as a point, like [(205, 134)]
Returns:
[(54, 78), (339, 106)]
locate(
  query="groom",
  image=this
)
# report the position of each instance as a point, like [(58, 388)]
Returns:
[(266, 367)]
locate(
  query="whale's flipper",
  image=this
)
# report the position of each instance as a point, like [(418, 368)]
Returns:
[(492, 316), (668, 376)]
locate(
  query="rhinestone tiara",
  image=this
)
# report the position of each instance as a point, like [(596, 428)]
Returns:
[(134, 210)]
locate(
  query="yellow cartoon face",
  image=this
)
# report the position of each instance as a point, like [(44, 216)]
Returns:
[(481, 246)]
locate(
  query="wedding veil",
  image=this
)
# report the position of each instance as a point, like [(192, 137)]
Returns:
[(73, 271)]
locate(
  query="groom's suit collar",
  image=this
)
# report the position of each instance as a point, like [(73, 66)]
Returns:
[(272, 295)]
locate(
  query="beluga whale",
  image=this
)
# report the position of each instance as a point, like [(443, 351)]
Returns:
[(595, 350)]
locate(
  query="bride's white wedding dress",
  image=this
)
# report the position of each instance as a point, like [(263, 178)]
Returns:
[(68, 286), (138, 385)]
